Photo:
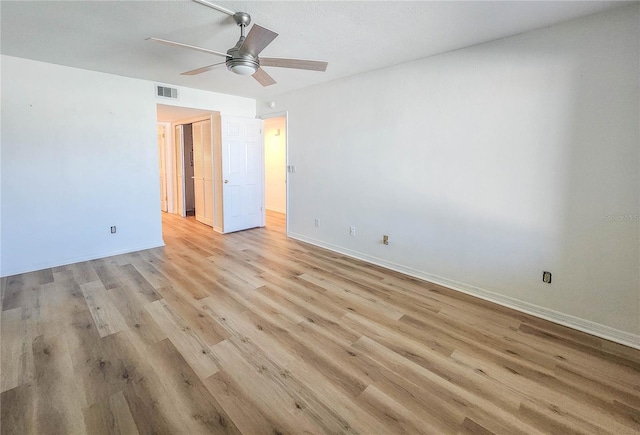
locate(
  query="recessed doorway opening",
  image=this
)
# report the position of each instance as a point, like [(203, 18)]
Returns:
[(275, 174), (218, 163), (186, 134)]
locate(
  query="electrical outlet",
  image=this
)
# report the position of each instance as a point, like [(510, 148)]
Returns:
[(317, 222), (546, 277), (385, 239), (352, 231), (113, 229)]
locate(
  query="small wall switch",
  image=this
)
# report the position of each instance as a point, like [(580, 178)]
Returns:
[(352, 231), (317, 222), (113, 229), (385, 239), (546, 277)]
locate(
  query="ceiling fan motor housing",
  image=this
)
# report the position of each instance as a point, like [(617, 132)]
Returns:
[(241, 63)]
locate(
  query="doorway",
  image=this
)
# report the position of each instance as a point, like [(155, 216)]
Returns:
[(275, 173), (194, 151), (227, 196), (187, 162), (188, 144)]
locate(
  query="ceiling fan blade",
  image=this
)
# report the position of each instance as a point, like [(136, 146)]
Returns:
[(263, 78), (192, 47), (256, 41), (313, 65), (216, 7), (201, 70)]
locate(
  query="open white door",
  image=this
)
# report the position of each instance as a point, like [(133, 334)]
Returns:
[(242, 173), (203, 171), (179, 160)]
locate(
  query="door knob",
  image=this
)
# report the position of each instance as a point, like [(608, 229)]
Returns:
[(226, 181)]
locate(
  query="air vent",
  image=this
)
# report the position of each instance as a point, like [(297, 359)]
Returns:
[(166, 92)]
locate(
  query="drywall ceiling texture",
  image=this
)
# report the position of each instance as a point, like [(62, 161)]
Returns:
[(353, 37), (485, 167)]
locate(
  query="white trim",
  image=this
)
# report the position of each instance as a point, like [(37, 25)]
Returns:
[(277, 210), (593, 328), (82, 258), (263, 203), (169, 166)]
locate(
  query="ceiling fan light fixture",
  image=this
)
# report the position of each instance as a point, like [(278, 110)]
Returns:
[(243, 70), (242, 66)]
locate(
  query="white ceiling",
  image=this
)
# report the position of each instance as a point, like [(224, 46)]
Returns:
[(353, 36)]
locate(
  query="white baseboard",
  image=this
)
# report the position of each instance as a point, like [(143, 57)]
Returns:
[(593, 328), (64, 262), (277, 210)]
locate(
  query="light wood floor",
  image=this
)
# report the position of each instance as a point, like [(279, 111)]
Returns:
[(254, 333)]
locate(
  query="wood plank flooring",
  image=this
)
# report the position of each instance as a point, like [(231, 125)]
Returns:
[(255, 333)]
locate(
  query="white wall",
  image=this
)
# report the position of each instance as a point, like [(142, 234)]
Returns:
[(486, 166), (275, 158), (79, 154), (211, 101)]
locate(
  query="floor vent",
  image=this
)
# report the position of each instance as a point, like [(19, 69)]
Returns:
[(163, 91)]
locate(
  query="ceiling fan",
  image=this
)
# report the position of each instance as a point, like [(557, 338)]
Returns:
[(243, 57)]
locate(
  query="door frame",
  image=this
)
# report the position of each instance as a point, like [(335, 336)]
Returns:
[(162, 160), (178, 151), (201, 218), (284, 114), (168, 166)]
